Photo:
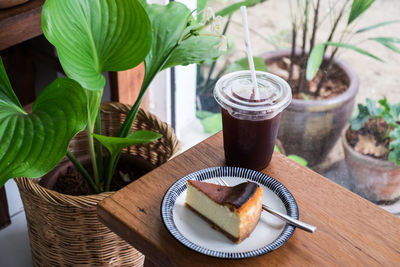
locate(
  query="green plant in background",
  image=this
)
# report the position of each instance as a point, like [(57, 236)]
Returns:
[(306, 20), (293, 157), (206, 84), (92, 37), (387, 112), (243, 64), (211, 122)]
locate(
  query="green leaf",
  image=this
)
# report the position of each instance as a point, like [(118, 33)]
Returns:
[(32, 144), (387, 39), (236, 6), (315, 61), (372, 109), (170, 29), (94, 99), (243, 64), (96, 36), (384, 103), (276, 148), (298, 159), (201, 4), (212, 122), (355, 48), (92, 37), (169, 25), (202, 114), (389, 113), (391, 47), (196, 49), (305, 97), (7, 95), (377, 25), (358, 121), (394, 146), (395, 111), (388, 42), (357, 8), (116, 144)]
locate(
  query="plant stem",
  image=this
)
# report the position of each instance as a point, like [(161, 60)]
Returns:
[(336, 23), (303, 61), (99, 152), (112, 160), (83, 171), (325, 72), (386, 133), (315, 26), (378, 134), (214, 62), (306, 87), (292, 53), (93, 157), (109, 172)]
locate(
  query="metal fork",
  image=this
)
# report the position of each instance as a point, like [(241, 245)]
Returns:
[(296, 223)]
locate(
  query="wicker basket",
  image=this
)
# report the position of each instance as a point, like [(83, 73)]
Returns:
[(63, 229)]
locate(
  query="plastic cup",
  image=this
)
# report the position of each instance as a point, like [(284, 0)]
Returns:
[(250, 125)]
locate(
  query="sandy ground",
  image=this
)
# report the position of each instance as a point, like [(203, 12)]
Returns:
[(270, 25)]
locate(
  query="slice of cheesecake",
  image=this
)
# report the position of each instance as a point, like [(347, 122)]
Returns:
[(234, 211)]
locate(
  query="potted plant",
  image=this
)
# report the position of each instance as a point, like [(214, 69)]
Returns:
[(324, 87), (92, 37), (372, 150), (208, 73)]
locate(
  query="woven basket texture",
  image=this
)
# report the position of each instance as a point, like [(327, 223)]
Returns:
[(64, 230)]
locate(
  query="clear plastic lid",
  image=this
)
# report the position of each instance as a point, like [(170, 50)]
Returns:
[(235, 93)]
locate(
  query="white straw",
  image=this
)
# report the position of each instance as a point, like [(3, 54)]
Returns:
[(249, 52)]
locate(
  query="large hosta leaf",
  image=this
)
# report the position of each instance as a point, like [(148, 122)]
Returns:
[(169, 23), (196, 49), (32, 144), (93, 36)]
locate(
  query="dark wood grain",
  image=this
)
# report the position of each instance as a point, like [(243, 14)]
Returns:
[(20, 23), (351, 230)]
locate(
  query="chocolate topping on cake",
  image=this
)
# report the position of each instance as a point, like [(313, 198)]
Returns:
[(231, 195)]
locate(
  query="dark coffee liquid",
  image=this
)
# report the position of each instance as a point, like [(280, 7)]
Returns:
[(249, 144)]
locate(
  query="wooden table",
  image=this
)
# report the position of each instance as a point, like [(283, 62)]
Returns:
[(351, 230)]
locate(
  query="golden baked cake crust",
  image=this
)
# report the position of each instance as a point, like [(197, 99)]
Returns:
[(243, 200)]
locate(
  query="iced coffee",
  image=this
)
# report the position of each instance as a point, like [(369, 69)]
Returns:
[(251, 119)]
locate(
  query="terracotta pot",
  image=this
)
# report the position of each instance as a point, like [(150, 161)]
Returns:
[(310, 128), (378, 180), (11, 3)]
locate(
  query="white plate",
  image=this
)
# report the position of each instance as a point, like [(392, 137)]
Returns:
[(192, 231)]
